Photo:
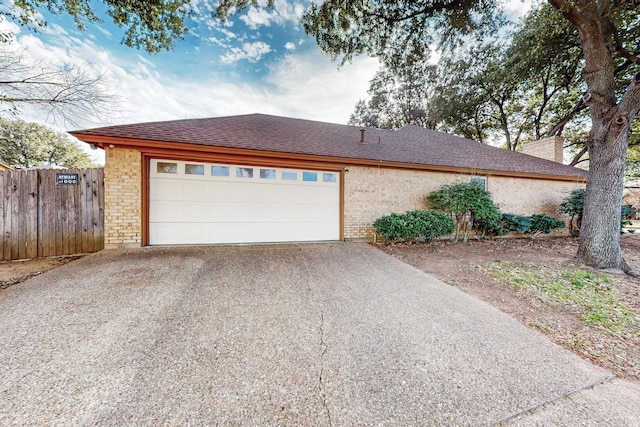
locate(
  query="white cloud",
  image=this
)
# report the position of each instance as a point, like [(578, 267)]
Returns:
[(282, 12), (290, 46), (514, 9), (252, 52)]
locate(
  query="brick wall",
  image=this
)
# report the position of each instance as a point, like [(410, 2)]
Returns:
[(122, 198), (373, 192)]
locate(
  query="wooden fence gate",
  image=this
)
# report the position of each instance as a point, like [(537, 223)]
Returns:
[(49, 212)]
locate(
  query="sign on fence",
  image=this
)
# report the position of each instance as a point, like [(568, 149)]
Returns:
[(48, 213), (66, 179)]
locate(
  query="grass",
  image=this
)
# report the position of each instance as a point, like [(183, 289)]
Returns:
[(590, 295)]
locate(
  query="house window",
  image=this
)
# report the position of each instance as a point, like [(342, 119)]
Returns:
[(219, 170), (310, 176), (164, 167), (193, 169), (244, 172), (329, 177), (268, 173), (480, 181), (289, 176)]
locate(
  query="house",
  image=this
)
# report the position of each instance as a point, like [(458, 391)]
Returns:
[(262, 178)]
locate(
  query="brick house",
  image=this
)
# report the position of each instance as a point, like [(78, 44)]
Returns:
[(261, 178)]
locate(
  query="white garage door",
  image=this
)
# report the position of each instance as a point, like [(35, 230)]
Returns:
[(200, 203)]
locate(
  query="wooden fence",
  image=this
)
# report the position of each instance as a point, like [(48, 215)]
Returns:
[(49, 212)]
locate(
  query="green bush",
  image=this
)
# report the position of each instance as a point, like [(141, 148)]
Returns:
[(426, 225), (543, 224), (573, 205), (490, 227), (466, 203), (518, 223)]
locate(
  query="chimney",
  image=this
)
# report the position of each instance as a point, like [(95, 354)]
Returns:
[(547, 148), (362, 136)]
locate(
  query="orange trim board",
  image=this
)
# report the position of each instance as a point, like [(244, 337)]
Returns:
[(194, 152)]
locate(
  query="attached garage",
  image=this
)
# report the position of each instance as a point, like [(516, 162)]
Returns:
[(203, 203), (258, 179)]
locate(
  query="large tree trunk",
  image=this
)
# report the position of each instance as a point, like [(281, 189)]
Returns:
[(600, 231)]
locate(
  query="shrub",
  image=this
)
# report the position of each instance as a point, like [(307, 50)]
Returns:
[(518, 223), (573, 205), (426, 225), (466, 203), (543, 224), (490, 227)]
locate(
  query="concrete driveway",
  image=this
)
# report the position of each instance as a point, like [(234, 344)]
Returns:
[(315, 334)]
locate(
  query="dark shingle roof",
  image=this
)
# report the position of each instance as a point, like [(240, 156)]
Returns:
[(410, 144)]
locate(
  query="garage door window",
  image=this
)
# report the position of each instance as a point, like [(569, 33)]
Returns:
[(244, 172), (310, 176), (193, 169), (268, 173), (219, 170), (329, 177), (167, 167), (289, 176)]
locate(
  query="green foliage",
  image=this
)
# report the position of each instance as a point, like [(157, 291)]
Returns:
[(518, 223), (573, 205), (490, 227), (149, 25), (543, 223), (26, 145), (425, 225), (466, 203), (398, 97), (532, 225)]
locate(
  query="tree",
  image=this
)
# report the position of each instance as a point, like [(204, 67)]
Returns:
[(471, 95), (607, 33), (61, 90), (466, 203), (148, 25), (73, 91), (27, 145), (398, 97)]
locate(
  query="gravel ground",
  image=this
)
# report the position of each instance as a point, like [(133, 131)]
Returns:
[(325, 334)]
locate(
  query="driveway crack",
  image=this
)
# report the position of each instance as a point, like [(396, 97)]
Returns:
[(321, 385)]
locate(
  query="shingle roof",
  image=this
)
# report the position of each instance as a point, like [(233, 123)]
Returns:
[(410, 144)]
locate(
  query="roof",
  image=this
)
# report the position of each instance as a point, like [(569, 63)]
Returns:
[(410, 145)]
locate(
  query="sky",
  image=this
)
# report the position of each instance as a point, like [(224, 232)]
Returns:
[(260, 61)]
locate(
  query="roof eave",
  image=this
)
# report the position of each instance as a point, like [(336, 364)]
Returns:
[(188, 150)]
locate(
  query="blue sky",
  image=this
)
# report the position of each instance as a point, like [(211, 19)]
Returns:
[(259, 62)]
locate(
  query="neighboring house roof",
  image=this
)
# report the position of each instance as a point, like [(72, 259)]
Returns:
[(406, 147)]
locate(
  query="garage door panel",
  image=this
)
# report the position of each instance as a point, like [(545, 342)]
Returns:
[(188, 209)]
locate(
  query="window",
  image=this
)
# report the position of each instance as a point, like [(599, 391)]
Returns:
[(328, 177), (289, 176), (268, 173), (193, 169), (219, 170), (164, 167), (481, 181), (244, 172), (310, 176)]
